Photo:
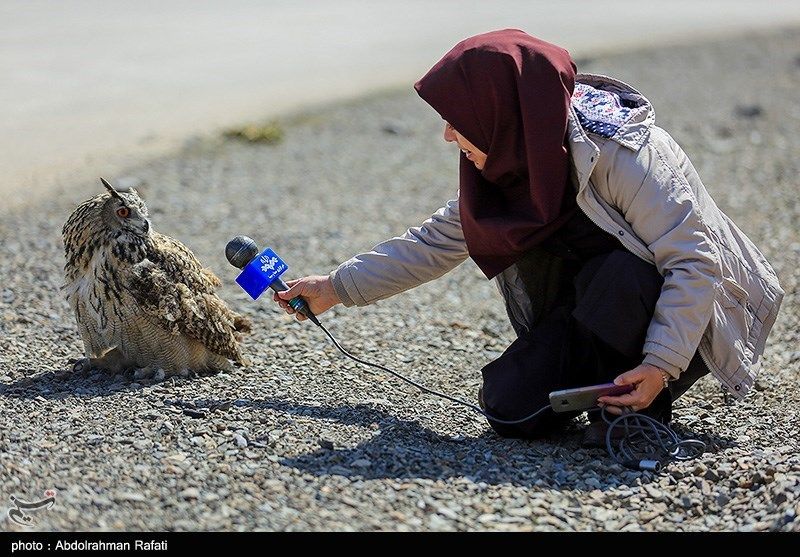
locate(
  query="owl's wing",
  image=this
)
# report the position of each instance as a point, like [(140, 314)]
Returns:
[(172, 286), (180, 263)]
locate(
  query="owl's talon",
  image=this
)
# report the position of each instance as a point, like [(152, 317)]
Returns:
[(143, 373), (82, 365)]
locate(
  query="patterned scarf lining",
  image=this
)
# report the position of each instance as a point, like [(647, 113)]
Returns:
[(601, 112)]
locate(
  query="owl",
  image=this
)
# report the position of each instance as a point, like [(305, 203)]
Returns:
[(142, 299)]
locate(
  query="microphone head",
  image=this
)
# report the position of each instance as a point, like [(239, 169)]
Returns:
[(240, 251)]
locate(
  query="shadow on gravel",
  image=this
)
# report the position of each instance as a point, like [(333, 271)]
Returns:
[(63, 383), (404, 449)]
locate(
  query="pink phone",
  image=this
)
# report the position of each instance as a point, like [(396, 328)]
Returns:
[(585, 398)]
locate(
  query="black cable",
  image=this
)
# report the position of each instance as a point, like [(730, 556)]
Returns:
[(431, 391), (646, 442)]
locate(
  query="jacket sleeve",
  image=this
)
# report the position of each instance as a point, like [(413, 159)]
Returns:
[(651, 191), (422, 254)]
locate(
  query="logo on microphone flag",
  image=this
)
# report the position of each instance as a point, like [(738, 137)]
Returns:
[(261, 272)]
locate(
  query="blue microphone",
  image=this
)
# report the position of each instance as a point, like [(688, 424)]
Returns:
[(261, 271)]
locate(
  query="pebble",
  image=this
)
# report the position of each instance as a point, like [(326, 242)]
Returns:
[(711, 475), (240, 441), (190, 493), (749, 110)]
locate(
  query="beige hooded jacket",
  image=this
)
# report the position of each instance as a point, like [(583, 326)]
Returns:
[(720, 295)]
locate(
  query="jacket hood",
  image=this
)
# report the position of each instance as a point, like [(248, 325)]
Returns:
[(612, 109)]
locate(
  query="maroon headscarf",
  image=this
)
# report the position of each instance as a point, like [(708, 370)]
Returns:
[(508, 93)]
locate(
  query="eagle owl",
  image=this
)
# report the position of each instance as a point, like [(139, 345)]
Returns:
[(142, 299)]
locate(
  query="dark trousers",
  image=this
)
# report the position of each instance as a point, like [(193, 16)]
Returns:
[(586, 339)]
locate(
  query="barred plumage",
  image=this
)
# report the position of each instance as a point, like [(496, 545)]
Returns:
[(142, 299)]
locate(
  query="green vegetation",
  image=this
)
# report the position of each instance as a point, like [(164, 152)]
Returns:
[(269, 133)]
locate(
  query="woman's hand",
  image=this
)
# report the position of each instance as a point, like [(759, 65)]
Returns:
[(317, 291), (648, 380)]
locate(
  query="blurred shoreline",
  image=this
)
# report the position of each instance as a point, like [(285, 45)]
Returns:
[(94, 89)]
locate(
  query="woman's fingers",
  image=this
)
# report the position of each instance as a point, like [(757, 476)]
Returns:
[(283, 304), (623, 400)]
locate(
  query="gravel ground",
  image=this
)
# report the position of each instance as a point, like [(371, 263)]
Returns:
[(305, 439)]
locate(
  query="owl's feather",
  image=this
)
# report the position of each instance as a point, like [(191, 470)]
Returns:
[(172, 286)]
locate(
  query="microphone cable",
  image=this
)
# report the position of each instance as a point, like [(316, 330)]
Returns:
[(430, 391), (645, 442)]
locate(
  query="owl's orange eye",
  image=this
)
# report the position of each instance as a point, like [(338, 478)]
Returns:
[(123, 212)]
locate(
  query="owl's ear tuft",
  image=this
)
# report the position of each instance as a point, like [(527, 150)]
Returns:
[(111, 190)]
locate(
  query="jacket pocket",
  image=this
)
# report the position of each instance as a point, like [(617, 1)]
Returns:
[(735, 299), (731, 346)]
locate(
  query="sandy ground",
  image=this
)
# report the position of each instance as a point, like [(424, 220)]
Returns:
[(89, 86), (304, 439)]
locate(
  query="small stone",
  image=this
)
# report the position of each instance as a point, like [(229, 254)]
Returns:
[(780, 498), (142, 444), (197, 441), (711, 475), (447, 513), (240, 441), (395, 128), (190, 493), (700, 469), (361, 463), (653, 492), (748, 110), (723, 499), (326, 444), (94, 439), (436, 522), (126, 496), (194, 413), (159, 375)]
